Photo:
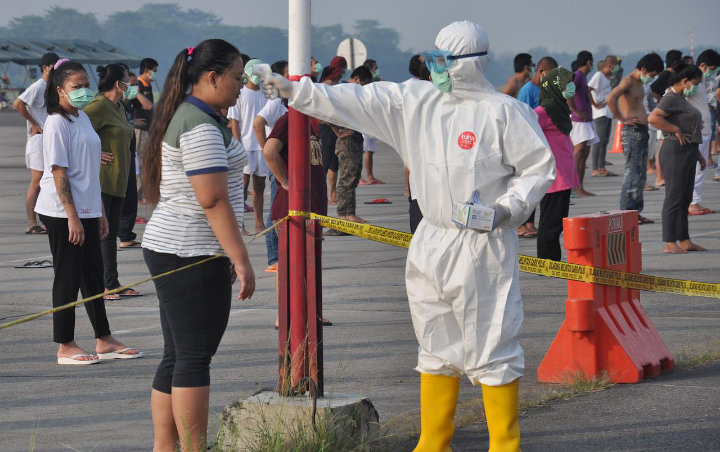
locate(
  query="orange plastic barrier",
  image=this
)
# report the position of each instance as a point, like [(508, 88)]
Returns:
[(606, 328), (617, 145)]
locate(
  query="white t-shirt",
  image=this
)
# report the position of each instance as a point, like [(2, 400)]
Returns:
[(34, 98), (600, 90), (248, 105), (76, 146), (271, 112), (699, 101)]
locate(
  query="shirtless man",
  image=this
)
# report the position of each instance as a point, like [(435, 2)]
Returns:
[(626, 104), (524, 71)]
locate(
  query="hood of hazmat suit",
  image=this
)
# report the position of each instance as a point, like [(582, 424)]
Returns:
[(462, 284)]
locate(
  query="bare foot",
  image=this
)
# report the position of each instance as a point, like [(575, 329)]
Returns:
[(108, 344), (688, 245), (531, 228), (259, 227), (521, 230), (70, 349), (332, 199), (355, 218), (582, 193), (672, 248)]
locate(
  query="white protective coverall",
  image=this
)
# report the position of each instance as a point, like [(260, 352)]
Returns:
[(462, 284)]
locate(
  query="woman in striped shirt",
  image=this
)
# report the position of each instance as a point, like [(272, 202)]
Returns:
[(193, 172)]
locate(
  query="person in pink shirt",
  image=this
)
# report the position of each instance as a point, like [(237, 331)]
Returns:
[(554, 119)]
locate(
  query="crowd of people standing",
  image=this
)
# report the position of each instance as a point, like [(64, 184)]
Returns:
[(213, 135)]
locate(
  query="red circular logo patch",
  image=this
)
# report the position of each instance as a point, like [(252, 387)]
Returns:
[(467, 140)]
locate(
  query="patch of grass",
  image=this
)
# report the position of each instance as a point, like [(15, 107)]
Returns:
[(691, 358)]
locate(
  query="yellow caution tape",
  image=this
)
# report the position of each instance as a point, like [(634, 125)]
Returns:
[(529, 264), (120, 289)]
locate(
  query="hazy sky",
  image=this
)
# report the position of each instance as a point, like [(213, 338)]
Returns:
[(512, 25)]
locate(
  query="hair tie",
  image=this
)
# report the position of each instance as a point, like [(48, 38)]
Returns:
[(60, 62), (190, 50)]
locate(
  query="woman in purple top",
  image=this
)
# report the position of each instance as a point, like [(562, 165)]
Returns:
[(554, 119), (583, 132)]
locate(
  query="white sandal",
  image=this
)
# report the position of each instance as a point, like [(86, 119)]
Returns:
[(73, 361)]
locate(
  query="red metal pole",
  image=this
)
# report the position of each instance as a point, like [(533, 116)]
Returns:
[(299, 199)]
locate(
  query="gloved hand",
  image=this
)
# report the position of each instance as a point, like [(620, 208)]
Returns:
[(275, 84), (502, 213)]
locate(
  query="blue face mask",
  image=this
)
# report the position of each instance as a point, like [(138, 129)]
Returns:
[(346, 74), (532, 72), (442, 81), (318, 68), (79, 98)]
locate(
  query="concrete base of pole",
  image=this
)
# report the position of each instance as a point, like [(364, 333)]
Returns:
[(251, 422)]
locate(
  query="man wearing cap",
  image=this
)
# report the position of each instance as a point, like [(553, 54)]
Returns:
[(31, 106)]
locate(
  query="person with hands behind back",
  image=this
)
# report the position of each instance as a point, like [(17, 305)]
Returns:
[(193, 173), (70, 206), (681, 124)]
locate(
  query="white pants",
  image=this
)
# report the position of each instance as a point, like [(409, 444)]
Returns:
[(464, 294), (700, 174)]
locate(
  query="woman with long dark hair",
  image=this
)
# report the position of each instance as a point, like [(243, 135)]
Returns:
[(71, 208), (109, 121), (193, 172), (681, 124)]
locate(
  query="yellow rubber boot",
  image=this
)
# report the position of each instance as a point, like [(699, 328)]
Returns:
[(502, 411), (438, 399)]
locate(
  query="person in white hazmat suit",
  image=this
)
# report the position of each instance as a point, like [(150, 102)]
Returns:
[(456, 135)]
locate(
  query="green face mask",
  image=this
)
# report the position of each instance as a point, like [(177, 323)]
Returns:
[(253, 78), (569, 90), (691, 91), (376, 74), (131, 93), (615, 69), (318, 68), (442, 81), (80, 97), (710, 72), (152, 76), (645, 79), (346, 74), (532, 72)]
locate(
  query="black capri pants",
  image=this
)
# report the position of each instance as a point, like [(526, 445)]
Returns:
[(194, 311)]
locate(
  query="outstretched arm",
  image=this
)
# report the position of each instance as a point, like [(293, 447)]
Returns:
[(374, 109)]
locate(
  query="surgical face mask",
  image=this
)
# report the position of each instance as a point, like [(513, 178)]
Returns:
[(710, 72), (318, 68), (253, 78), (569, 90), (689, 92), (615, 69), (442, 81), (152, 75), (376, 74), (346, 74), (645, 79), (80, 97), (532, 72), (131, 93)]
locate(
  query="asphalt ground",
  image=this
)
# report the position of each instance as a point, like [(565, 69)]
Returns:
[(370, 349)]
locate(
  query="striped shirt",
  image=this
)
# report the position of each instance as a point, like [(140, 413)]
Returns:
[(195, 142)]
